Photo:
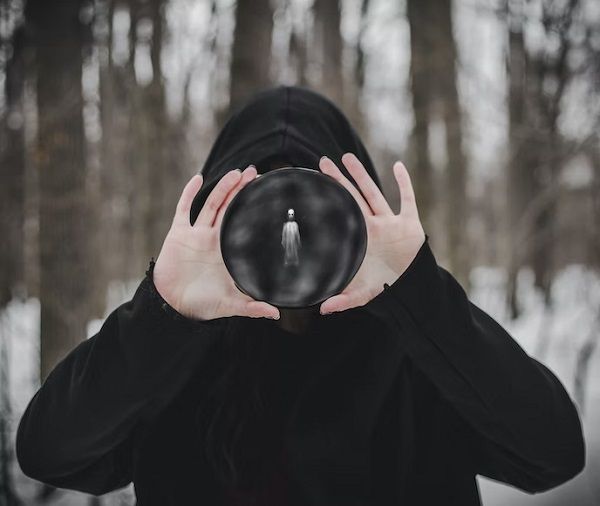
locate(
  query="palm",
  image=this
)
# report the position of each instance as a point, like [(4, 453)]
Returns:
[(190, 273), (393, 239)]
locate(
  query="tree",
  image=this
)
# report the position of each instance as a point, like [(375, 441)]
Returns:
[(435, 98), (327, 48), (251, 56), (537, 83), (12, 172), (58, 37)]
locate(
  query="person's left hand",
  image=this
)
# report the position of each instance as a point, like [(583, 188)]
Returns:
[(393, 239)]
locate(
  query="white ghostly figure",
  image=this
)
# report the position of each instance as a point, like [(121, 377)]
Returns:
[(290, 240)]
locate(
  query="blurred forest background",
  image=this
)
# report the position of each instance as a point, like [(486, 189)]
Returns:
[(107, 107)]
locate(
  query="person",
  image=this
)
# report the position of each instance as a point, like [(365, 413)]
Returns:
[(290, 240), (403, 394)]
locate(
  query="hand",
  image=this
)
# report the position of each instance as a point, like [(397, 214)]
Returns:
[(190, 273), (393, 239)]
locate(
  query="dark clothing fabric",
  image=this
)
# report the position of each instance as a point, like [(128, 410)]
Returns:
[(401, 401), (274, 492), (284, 124)]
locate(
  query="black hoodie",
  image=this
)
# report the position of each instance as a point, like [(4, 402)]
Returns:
[(284, 124), (401, 401)]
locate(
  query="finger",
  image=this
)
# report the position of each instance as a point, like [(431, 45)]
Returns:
[(331, 169), (408, 203), (247, 175), (247, 306), (344, 301), (262, 310), (368, 188), (190, 190), (216, 198)]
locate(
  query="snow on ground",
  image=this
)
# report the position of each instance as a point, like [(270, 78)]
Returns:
[(554, 336)]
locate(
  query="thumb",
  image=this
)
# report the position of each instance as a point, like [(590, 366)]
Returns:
[(247, 306), (262, 309)]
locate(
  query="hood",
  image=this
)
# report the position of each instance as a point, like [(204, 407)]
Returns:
[(287, 124)]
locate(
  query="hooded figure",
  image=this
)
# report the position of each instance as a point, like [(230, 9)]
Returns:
[(278, 127), (401, 401), (281, 126)]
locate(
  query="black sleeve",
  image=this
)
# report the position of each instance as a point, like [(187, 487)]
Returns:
[(525, 428), (76, 431)]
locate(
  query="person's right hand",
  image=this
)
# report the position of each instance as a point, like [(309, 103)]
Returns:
[(189, 273)]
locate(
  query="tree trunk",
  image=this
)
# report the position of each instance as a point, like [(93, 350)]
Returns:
[(421, 78), (457, 202), (251, 57), (12, 175), (354, 88), (327, 49), (518, 175), (162, 178), (60, 157)]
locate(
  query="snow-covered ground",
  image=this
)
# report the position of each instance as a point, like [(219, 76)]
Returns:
[(553, 335)]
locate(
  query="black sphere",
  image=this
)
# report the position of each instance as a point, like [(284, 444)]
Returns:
[(323, 247)]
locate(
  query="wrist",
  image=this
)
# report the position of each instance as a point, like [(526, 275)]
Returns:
[(161, 283), (418, 289), (401, 262), (167, 303)]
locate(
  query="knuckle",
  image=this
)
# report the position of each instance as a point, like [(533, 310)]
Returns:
[(211, 204), (370, 192)]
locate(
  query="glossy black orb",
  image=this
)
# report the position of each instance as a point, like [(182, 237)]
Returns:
[(293, 237)]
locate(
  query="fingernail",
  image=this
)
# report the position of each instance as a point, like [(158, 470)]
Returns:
[(252, 165), (239, 170), (322, 158)]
